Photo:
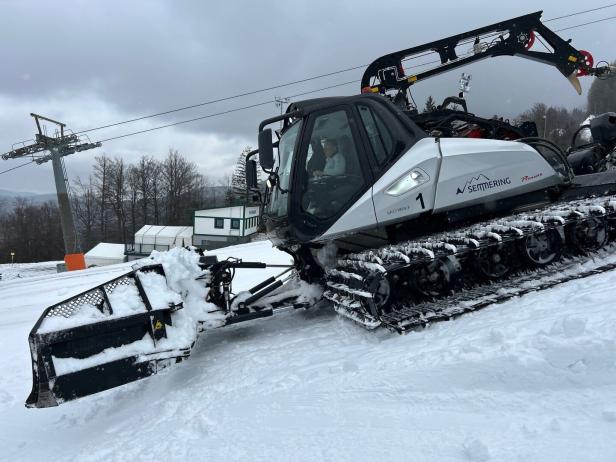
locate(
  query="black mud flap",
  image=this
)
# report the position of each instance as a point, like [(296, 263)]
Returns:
[(82, 346)]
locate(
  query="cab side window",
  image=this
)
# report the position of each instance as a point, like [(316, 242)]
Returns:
[(380, 137), (333, 174)]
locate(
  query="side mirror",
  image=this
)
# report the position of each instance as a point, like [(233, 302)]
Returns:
[(251, 174), (266, 149)]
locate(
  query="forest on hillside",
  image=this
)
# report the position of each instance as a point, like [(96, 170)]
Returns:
[(115, 201)]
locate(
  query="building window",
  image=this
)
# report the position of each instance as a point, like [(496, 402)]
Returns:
[(235, 223), (219, 223)]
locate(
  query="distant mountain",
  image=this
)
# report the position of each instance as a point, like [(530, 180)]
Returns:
[(8, 197), (215, 196)]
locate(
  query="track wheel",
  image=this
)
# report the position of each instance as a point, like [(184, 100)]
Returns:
[(494, 262), (543, 248), (591, 234), (380, 288), (435, 278)]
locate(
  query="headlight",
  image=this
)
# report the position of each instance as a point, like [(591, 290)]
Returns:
[(407, 182)]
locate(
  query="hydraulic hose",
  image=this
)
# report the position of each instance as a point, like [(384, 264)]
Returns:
[(537, 142)]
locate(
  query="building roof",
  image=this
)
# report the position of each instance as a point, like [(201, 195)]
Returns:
[(106, 250), (229, 207), (165, 231)]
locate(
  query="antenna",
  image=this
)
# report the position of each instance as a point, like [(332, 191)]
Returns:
[(280, 102), (465, 84)]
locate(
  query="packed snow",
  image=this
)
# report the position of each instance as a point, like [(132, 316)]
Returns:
[(26, 270), (530, 379)]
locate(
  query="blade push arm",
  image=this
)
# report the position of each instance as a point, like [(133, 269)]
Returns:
[(513, 37)]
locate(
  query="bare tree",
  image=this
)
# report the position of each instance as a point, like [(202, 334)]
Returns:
[(32, 232), (117, 194), (557, 124), (147, 180), (133, 196), (157, 192), (180, 179), (101, 184), (3, 205)]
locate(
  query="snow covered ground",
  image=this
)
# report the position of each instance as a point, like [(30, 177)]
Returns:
[(27, 270), (531, 379)]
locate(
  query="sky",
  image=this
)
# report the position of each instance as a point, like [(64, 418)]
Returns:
[(91, 63)]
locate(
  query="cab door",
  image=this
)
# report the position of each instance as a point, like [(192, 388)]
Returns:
[(405, 163), (332, 178)]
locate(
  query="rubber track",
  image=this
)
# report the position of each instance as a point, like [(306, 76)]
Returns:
[(348, 284), (417, 316)]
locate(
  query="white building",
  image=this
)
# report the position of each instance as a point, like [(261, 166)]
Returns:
[(152, 237), (224, 226)]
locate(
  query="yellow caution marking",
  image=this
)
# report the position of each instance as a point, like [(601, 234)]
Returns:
[(370, 90), (158, 325), (572, 58), (412, 78)]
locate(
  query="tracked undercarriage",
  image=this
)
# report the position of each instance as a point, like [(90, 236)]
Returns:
[(411, 284)]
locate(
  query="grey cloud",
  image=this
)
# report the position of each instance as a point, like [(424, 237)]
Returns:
[(94, 62)]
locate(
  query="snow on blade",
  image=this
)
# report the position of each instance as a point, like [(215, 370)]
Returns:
[(85, 314), (181, 268), (68, 365), (158, 293), (125, 300)]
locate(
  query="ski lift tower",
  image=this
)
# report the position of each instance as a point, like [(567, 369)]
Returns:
[(54, 148)]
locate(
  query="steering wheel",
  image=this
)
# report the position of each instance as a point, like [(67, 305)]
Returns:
[(322, 180), (332, 180)]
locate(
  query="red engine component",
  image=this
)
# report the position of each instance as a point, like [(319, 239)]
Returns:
[(588, 63), (531, 40), (475, 133)]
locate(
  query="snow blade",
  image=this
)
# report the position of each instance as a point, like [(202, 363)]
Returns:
[(107, 336)]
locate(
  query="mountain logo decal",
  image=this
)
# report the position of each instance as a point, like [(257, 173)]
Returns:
[(481, 183)]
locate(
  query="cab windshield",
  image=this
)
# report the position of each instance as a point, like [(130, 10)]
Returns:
[(280, 200)]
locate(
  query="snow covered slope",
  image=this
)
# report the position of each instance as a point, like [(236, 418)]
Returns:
[(531, 379), (27, 270)]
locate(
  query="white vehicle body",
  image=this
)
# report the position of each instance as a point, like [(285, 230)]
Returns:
[(444, 174)]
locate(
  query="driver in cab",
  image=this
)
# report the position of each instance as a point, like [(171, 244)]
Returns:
[(335, 164)]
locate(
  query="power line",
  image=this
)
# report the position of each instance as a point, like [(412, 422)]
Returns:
[(585, 24), (581, 12), (216, 114), (226, 98), (263, 103), (295, 82), (15, 168)]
